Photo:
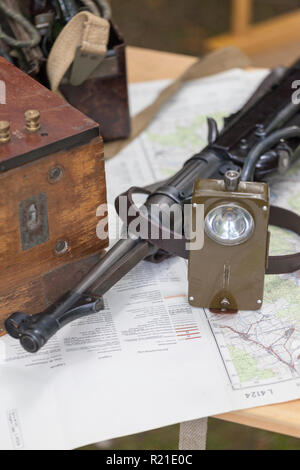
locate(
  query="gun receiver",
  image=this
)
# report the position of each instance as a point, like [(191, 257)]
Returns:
[(261, 139)]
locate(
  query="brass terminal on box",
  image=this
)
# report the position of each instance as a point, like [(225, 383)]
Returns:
[(32, 118), (4, 132)]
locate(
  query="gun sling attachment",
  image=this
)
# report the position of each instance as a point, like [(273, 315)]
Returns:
[(228, 180)]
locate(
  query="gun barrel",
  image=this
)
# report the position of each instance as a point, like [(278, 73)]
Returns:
[(35, 331), (124, 255)]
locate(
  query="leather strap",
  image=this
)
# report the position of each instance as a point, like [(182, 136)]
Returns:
[(286, 219), (170, 245), (163, 238)]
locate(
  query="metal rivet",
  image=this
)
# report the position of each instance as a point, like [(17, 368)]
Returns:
[(265, 208), (61, 247), (194, 205), (32, 118), (191, 299), (225, 303), (259, 302), (4, 132)]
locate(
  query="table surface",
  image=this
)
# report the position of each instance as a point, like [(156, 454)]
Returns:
[(145, 65)]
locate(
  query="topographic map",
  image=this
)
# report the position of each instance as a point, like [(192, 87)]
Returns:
[(257, 348), (263, 347)]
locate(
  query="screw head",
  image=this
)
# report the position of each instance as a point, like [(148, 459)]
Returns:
[(55, 174), (225, 303), (191, 299), (61, 247)]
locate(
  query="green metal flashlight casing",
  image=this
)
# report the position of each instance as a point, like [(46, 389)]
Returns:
[(230, 278)]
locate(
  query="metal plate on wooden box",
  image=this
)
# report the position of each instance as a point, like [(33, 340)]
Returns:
[(34, 221)]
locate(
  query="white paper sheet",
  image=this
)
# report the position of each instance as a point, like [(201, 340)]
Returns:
[(150, 360)]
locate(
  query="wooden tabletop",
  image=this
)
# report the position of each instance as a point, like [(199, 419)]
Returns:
[(145, 65)]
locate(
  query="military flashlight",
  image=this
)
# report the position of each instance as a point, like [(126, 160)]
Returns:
[(228, 272)]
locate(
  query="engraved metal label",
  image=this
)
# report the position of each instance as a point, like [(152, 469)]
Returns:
[(34, 221)]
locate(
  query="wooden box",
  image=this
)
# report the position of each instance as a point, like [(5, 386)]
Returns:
[(51, 183)]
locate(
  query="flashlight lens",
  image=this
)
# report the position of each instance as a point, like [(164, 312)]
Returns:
[(229, 224)]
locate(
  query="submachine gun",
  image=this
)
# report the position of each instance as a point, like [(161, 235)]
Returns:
[(227, 179)]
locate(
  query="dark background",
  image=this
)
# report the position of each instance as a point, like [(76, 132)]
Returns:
[(182, 25)]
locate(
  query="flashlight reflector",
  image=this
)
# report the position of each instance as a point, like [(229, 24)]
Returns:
[(229, 224)]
